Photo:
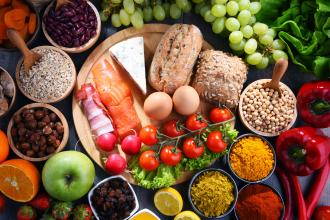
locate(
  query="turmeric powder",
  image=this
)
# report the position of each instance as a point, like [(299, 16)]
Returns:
[(251, 158)]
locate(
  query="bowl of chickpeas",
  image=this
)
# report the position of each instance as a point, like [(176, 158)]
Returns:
[(264, 111)]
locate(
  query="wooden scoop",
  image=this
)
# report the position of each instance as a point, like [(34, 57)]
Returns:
[(29, 57), (59, 3), (279, 69)]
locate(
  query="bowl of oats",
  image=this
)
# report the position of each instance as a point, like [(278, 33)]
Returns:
[(51, 79)]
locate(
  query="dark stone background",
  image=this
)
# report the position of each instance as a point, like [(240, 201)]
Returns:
[(294, 78)]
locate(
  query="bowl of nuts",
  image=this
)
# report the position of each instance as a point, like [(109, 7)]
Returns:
[(113, 198), (37, 131)]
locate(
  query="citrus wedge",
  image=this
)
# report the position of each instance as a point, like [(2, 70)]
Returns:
[(187, 215), (168, 201), (19, 180)]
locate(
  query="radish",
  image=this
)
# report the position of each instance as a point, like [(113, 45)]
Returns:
[(115, 164), (131, 144), (106, 142)]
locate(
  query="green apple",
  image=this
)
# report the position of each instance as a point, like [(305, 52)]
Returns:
[(68, 175)]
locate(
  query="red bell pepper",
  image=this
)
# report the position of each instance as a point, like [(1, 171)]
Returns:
[(313, 102), (302, 150)]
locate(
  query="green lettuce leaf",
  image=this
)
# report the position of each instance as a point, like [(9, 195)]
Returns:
[(304, 25)]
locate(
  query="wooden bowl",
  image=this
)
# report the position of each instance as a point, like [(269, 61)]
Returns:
[(81, 48), (14, 96), (54, 100), (64, 139), (34, 35), (248, 126)]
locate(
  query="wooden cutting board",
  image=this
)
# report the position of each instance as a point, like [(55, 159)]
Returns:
[(152, 34)]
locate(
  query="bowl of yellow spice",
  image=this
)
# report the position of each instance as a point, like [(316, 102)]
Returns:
[(212, 193), (251, 158)]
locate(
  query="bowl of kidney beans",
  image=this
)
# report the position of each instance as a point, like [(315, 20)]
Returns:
[(113, 199), (37, 131), (74, 27)]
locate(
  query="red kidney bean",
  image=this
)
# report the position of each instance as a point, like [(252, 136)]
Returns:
[(72, 25)]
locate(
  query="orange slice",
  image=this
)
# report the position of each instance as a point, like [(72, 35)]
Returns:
[(19, 180)]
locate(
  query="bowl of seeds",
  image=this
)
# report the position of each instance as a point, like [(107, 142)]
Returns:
[(212, 193), (37, 131), (51, 79), (265, 112)]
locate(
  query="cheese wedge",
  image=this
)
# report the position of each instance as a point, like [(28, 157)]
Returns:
[(130, 54)]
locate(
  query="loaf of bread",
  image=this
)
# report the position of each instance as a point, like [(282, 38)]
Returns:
[(175, 57), (220, 77)]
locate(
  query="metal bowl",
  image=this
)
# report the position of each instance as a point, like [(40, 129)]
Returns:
[(35, 34), (272, 188), (235, 193), (270, 146)]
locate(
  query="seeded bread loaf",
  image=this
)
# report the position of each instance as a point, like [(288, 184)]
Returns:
[(175, 57), (220, 77)]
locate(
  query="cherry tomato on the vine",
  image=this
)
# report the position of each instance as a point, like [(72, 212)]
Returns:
[(191, 149), (148, 160), (195, 122), (148, 135), (170, 155), (220, 114), (215, 143), (171, 129)]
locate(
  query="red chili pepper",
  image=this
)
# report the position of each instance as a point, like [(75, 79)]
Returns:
[(317, 188), (299, 197), (302, 150), (313, 102), (288, 215)]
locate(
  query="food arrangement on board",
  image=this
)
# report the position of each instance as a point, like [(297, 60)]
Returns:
[(156, 105)]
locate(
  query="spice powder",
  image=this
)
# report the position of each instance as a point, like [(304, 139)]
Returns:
[(49, 78), (251, 158), (212, 193)]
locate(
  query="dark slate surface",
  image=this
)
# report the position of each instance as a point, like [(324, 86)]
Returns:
[(294, 78)]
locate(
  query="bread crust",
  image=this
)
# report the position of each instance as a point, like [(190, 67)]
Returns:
[(175, 57), (220, 77)]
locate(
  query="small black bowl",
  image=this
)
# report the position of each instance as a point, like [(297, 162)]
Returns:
[(235, 193), (271, 148), (32, 37), (272, 188)]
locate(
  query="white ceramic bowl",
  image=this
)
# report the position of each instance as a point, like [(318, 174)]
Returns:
[(106, 180)]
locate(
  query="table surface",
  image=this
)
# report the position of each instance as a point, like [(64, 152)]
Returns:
[(294, 78)]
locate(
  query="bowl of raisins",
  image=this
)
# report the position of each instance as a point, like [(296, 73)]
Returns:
[(113, 198)]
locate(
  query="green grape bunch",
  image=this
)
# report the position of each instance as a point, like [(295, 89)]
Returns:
[(234, 19), (136, 12)]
